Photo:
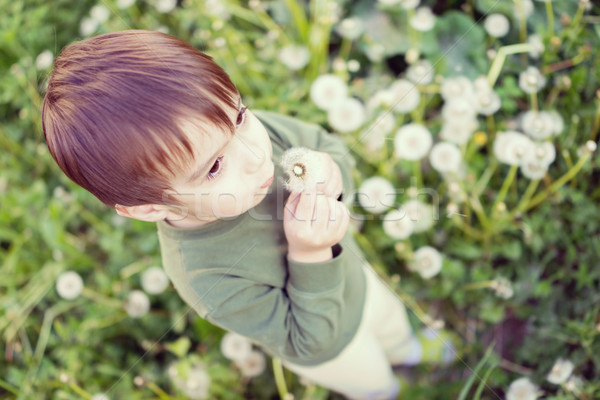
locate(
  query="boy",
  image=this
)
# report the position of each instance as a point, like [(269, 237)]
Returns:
[(155, 129)]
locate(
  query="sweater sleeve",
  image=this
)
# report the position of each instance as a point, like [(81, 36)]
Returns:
[(290, 132), (299, 321)]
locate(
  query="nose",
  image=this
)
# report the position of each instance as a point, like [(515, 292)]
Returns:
[(254, 156)]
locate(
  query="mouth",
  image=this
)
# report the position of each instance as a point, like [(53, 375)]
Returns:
[(267, 183)]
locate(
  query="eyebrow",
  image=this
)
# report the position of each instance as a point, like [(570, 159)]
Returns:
[(210, 161)]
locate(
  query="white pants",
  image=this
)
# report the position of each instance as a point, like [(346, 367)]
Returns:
[(363, 369)]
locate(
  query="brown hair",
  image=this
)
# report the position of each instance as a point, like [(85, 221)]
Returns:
[(112, 110)]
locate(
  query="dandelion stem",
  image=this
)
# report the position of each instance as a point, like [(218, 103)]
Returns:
[(417, 173), (522, 28), (478, 285), (578, 15), (345, 48), (79, 390), (501, 58), (570, 174), (478, 208), (508, 180), (101, 299), (550, 17), (467, 229), (8, 387), (534, 102), (596, 124), (279, 378), (485, 178), (157, 391), (299, 19), (525, 199)]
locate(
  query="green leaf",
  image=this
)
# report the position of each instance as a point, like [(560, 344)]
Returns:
[(180, 347)]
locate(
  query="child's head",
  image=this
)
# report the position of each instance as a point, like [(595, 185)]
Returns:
[(129, 115)]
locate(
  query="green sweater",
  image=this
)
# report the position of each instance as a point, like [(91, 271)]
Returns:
[(235, 273)]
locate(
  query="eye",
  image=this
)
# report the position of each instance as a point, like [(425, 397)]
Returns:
[(241, 118), (216, 169)]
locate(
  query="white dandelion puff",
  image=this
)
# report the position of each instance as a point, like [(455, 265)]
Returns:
[(412, 142), (138, 304), (512, 147), (503, 288), (458, 132), (353, 65), (397, 225), (533, 170), (423, 20), (406, 96), (294, 57), (420, 72), (347, 116), (487, 102), (376, 194), (445, 157), (87, 26), (427, 262), (408, 4), (557, 122), (235, 347), (195, 381), (327, 91), (350, 28), (522, 389), (303, 167), (99, 396), (375, 52), (154, 280), (69, 285), (523, 9), (382, 99), (496, 25), (542, 152), (531, 80), (123, 4), (574, 384), (165, 6), (539, 125), (459, 111), (458, 86), (374, 136), (253, 365), (536, 45), (560, 372), (421, 214), (44, 59), (100, 13)]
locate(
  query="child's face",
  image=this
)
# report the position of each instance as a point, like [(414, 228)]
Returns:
[(232, 174)]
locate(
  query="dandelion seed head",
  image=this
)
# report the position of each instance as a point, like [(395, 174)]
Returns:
[(560, 372), (154, 280), (412, 142), (397, 225), (295, 57), (533, 169), (235, 347), (454, 87), (421, 214), (445, 157), (347, 116), (531, 80), (406, 96), (350, 28), (253, 365), (420, 72), (511, 147), (327, 91), (44, 60), (496, 25), (69, 285), (427, 262), (536, 44), (303, 167), (423, 20), (138, 304), (123, 4), (376, 195)]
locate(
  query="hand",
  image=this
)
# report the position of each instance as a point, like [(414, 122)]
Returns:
[(313, 223), (333, 183)]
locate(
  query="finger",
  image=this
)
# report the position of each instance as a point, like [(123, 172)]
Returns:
[(306, 205), (292, 204), (321, 216), (343, 218)]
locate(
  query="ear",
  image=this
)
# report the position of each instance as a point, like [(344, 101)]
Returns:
[(146, 212)]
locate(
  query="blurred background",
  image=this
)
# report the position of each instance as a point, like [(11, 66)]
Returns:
[(478, 119)]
